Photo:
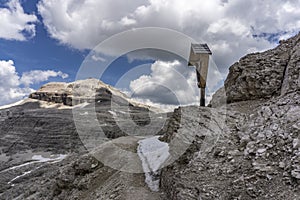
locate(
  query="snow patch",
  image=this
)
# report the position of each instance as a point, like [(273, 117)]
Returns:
[(39, 159), (153, 153), (82, 105), (85, 113), (120, 111), (17, 177), (113, 113)]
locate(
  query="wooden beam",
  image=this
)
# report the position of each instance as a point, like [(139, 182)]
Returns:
[(202, 97)]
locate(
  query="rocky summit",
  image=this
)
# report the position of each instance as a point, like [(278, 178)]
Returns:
[(244, 145)]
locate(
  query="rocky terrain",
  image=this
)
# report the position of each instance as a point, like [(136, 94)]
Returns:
[(44, 157), (257, 153), (245, 145)]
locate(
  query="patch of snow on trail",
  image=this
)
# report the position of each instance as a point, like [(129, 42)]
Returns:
[(38, 159), (82, 105), (153, 153), (113, 113), (17, 177)]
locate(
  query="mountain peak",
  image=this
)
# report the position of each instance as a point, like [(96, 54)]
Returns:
[(83, 91)]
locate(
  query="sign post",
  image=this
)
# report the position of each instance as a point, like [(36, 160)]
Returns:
[(199, 57)]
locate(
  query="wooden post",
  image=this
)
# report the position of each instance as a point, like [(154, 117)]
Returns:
[(199, 57), (202, 96)]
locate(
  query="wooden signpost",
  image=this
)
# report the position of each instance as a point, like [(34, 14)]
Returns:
[(199, 57)]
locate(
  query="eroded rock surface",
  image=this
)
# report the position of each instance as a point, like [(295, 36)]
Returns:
[(255, 157), (265, 75)]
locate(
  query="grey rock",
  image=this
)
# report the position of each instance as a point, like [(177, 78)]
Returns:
[(263, 75), (296, 173)]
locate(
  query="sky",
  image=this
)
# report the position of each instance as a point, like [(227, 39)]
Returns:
[(49, 40)]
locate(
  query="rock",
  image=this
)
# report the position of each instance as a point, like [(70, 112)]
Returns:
[(261, 151), (263, 75), (282, 165), (219, 98), (296, 173), (291, 82), (296, 143)]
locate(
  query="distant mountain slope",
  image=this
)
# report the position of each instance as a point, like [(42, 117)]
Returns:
[(38, 136), (88, 90)]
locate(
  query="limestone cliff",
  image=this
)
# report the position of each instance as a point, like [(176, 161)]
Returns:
[(263, 75)]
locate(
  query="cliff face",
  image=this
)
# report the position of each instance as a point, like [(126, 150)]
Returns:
[(263, 75), (71, 94)]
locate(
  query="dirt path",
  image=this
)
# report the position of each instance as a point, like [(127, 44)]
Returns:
[(123, 185)]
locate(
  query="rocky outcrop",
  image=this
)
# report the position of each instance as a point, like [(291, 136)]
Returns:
[(291, 81), (70, 94), (265, 75), (256, 155)]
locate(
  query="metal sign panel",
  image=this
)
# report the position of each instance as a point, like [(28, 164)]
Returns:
[(201, 48)]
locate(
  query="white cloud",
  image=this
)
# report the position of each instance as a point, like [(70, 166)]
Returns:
[(83, 24), (227, 26), (15, 24), (127, 22), (37, 76), (8, 74), (168, 83), (172, 83), (98, 58), (9, 83), (14, 87)]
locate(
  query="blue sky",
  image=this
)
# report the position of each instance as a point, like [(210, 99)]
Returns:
[(42, 41), (41, 52)]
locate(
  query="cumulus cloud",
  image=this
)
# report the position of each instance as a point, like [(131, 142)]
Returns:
[(83, 24), (9, 83), (37, 76), (14, 87), (172, 83), (168, 83), (15, 23), (8, 74), (98, 58), (231, 28)]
